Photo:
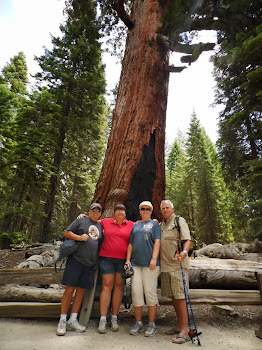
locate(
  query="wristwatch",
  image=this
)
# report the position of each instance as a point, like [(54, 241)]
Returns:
[(153, 257), (184, 251)]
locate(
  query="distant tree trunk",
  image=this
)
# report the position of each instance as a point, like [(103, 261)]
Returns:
[(50, 200), (134, 167)]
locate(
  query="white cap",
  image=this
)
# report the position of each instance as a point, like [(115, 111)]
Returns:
[(147, 204)]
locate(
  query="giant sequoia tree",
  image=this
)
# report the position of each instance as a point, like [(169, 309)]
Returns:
[(134, 168)]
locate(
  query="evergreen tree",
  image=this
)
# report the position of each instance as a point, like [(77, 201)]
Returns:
[(239, 79), (75, 75), (197, 188), (26, 164)]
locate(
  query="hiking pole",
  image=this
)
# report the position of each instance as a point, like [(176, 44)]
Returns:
[(193, 333)]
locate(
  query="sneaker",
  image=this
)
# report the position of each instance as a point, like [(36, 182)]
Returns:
[(150, 330), (61, 328), (137, 328), (76, 326), (102, 327), (114, 325)]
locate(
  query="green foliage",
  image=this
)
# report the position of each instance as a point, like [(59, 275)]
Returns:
[(15, 74), (7, 238), (54, 140), (238, 75), (197, 188)]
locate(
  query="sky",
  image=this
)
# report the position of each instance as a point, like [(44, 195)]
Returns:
[(26, 25)]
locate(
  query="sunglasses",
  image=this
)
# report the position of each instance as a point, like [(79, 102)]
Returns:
[(96, 209), (145, 209)]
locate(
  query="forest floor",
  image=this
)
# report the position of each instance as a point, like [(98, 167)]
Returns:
[(219, 329)]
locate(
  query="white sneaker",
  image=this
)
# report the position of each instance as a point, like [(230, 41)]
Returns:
[(136, 329), (61, 328), (114, 325), (150, 330), (102, 327), (75, 326)]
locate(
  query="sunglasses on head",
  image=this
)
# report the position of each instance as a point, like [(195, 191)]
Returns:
[(96, 209), (145, 209)]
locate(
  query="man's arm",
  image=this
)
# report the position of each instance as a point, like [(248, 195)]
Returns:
[(71, 235)]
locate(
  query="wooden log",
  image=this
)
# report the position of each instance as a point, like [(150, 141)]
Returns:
[(52, 310), (204, 273), (205, 263), (30, 310), (46, 259), (11, 292), (215, 296), (259, 280), (43, 276), (221, 279), (88, 302)]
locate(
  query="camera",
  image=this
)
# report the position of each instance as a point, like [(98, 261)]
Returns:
[(128, 271)]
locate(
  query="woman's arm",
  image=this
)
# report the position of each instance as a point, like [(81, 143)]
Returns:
[(155, 254)]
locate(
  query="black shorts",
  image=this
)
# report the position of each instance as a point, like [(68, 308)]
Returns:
[(77, 274)]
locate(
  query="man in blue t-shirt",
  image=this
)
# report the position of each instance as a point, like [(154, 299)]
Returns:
[(79, 270), (143, 256)]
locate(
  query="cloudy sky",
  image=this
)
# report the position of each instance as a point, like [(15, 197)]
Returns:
[(26, 25)]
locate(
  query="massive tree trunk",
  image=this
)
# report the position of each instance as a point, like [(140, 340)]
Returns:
[(134, 168)]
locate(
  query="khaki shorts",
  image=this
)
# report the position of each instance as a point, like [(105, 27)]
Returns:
[(144, 282), (172, 284)]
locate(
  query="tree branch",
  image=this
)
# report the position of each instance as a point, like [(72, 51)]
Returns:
[(197, 50), (118, 6), (173, 69)]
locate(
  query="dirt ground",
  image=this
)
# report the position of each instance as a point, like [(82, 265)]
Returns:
[(219, 331)]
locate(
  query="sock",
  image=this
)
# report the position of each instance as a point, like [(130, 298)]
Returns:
[(63, 317), (73, 317), (151, 323), (103, 318), (114, 317), (139, 322)]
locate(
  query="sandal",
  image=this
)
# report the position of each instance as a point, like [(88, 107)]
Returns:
[(180, 339), (172, 331)]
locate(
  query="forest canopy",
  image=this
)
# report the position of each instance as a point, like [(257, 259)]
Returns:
[(56, 156)]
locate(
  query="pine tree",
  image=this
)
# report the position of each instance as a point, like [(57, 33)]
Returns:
[(197, 188), (239, 76), (75, 75)]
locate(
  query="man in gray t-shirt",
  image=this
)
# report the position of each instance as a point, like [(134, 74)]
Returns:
[(79, 270)]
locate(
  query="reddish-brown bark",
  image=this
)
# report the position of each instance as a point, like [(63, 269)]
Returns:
[(139, 116)]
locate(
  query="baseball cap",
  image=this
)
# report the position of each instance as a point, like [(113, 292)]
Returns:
[(95, 205)]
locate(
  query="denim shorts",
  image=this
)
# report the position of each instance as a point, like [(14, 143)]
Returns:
[(111, 265), (77, 274)]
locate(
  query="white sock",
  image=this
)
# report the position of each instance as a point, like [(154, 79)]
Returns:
[(73, 316), (114, 317), (63, 317), (103, 318), (139, 322)]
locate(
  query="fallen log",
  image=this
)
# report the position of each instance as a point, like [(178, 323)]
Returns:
[(204, 273), (235, 251), (11, 292), (219, 297), (46, 259), (197, 296), (43, 276)]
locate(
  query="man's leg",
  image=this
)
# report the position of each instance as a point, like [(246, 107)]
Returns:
[(66, 299), (65, 303), (78, 298), (181, 312)]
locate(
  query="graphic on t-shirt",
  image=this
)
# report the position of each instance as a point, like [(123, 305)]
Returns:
[(147, 228), (93, 232)]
